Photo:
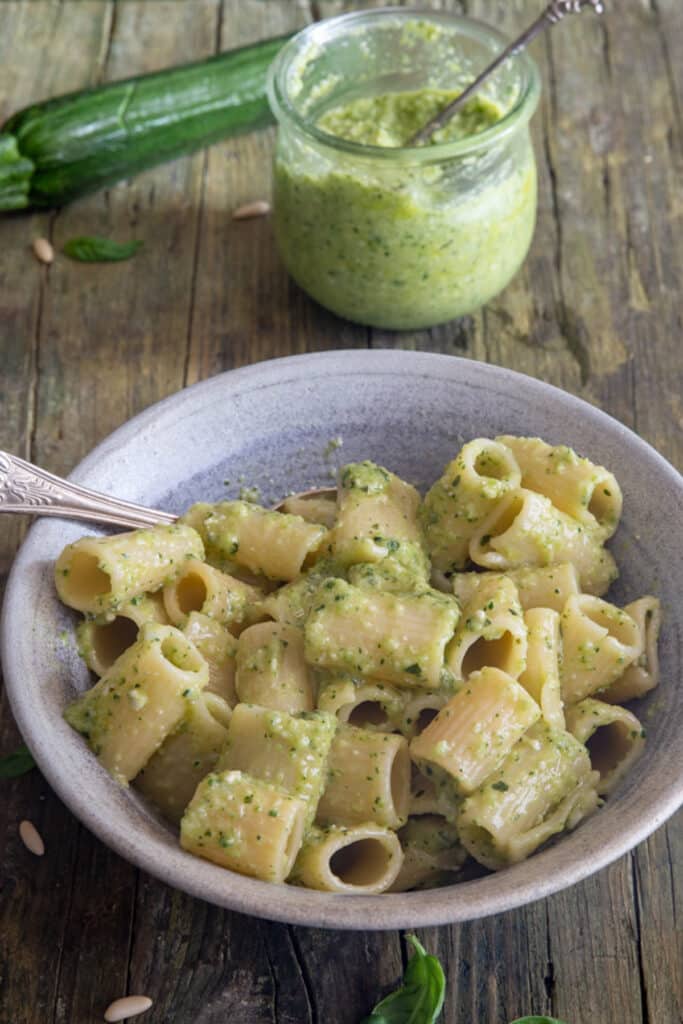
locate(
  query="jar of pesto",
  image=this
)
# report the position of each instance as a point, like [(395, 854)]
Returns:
[(378, 231)]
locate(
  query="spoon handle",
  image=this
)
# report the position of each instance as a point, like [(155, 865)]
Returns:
[(27, 488), (553, 13)]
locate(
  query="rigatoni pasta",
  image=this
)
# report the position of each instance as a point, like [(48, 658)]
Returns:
[(360, 695)]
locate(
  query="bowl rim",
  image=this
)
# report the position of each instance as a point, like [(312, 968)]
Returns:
[(450, 904)]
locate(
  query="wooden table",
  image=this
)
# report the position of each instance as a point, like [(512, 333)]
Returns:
[(596, 310)]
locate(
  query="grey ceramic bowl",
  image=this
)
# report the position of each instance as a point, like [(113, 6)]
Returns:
[(271, 425)]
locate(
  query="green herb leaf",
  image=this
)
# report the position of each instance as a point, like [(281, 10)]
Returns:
[(99, 250), (18, 763), (420, 998), (537, 1020)]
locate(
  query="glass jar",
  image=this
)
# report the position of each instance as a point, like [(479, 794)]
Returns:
[(401, 237)]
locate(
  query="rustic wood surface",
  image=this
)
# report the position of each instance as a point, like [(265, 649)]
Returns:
[(596, 310)]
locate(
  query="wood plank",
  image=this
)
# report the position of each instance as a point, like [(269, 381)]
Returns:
[(112, 341)]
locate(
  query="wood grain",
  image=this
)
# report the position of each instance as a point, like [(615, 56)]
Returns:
[(596, 310)]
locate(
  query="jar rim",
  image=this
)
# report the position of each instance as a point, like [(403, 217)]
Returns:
[(318, 32)]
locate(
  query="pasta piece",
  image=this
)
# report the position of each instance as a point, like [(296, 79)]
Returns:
[(575, 485), (473, 734), (314, 509), (358, 861), (292, 602), (525, 529), (400, 639), (376, 517), (431, 852), (99, 574), (365, 703), (548, 586), (200, 588), (425, 798), (391, 575), (368, 779), (612, 735), (244, 824), (491, 631), (276, 747), (599, 641), (103, 639), (541, 677), (544, 786), (643, 674), (471, 486), (128, 714), (419, 710), (271, 543), (270, 668), (171, 776), (218, 648)]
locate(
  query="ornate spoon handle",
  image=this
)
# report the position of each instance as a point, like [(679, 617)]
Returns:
[(553, 13), (27, 488)]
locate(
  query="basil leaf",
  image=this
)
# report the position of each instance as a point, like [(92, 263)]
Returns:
[(18, 763), (99, 250), (420, 999), (537, 1020)]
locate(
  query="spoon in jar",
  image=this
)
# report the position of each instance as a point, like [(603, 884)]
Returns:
[(27, 488), (553, 14)]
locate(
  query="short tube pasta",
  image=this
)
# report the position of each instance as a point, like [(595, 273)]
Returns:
[(397, 638), (642, 675), (541, 677), (201, 588), (128, 714), (612, 735), (271, 670), (245, 824), (544, 786), (368, 779), (365, 703), (525, 529), (279, 748), (548, 586), (314, 509), (172, 774), (475, 731), (218, 648), (575, 485), (271, 543), (599, 641), (99, 574), (431, 851), (376, 517), (470, 487), (419, 710), (491, 631), (103, 639), (361, 860)]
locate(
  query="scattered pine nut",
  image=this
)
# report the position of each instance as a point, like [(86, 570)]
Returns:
[(259, 208), (43, 250), (129, 1006), (31, 838)]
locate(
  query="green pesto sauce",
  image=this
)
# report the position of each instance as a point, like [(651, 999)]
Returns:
[(404, 245), (392, 119)]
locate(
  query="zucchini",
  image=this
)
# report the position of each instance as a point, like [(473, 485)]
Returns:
[(54, 151)]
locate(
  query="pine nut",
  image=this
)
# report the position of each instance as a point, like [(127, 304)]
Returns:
[(259, 208), (43, 250), (129, 1006), (31, 838)]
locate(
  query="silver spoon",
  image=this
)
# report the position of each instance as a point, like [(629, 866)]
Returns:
[(553, 13), (29, 489)]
